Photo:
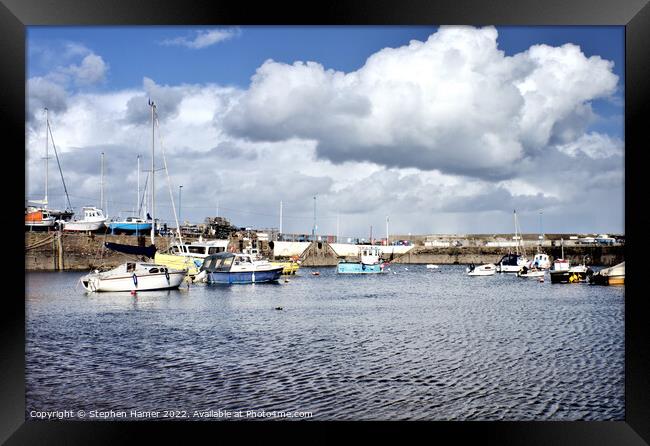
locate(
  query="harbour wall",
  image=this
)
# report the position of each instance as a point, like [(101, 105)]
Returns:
[(72, 251), (54, 251), (591, 255)]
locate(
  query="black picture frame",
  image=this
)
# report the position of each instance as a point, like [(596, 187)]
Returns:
[(15, 15)]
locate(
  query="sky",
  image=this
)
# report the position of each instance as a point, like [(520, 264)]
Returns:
[(434, 129)]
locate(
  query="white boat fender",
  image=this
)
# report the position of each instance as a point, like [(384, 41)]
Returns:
[(135, 280)]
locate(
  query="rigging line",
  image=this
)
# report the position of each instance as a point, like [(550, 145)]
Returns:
[(169, 183), (58, 163)]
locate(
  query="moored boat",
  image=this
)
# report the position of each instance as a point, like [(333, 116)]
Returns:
[(614, 275), (190, 255), (233, 268), (134, 276), (526, 272), (511, 263), (487, 269), (369, 263)]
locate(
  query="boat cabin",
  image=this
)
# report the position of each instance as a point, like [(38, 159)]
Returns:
[(223, 261), (199, 249), (370, 255)]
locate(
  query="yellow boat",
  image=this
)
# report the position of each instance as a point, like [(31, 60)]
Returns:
[(288, 267), (190, 255)]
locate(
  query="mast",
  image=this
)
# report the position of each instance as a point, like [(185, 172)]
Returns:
[(153, 184), (313, 229), (47, 123), (101, 184), (137, 201), (387, 230), (517, 245), (280, 216)]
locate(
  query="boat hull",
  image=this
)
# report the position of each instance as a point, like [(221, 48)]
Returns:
[(192, 264), (565, 276), (83, 226), (358, 268), (130, 227), (237, 277), (149, 282)]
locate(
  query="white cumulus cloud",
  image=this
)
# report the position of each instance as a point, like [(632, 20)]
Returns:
[(455, 103)]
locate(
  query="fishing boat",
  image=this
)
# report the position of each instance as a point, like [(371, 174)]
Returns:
[(234, 268), (190, 255), (512, 263), (369, 263), (93, 220), (134, 276), (487, 269), (614, 275), (563, 272), (38, 219)]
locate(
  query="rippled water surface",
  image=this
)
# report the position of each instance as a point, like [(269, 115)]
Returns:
[(412, 344)]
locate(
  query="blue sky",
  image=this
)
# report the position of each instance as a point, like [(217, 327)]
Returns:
[(128, 55)]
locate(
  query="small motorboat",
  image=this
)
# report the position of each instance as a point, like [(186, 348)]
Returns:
[(526, 272), (228, 267), (430, 266), (134, 276), (487, 269)]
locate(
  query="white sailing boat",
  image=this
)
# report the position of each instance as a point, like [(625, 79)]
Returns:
[(93, 217), (512, 263), (139, 276), (134, 276)]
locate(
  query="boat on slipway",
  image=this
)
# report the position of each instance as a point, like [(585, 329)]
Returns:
[(93, 220), (134, 276), (235, 268), (369, 263), (129, 225), (487, 269)]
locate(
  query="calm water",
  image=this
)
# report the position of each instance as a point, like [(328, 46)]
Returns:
[(419, 344)]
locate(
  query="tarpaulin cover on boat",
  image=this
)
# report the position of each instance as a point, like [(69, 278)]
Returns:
[(148, 251)]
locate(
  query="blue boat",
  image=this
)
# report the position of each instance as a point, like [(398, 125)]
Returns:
[(229, 268), (369, 263), (130, 225)]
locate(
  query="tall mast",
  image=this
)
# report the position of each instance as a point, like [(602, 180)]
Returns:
[(101, 187), (517, 245), (137, 201), (153, 184), (313, 229), (280, 216), (47, 123)]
